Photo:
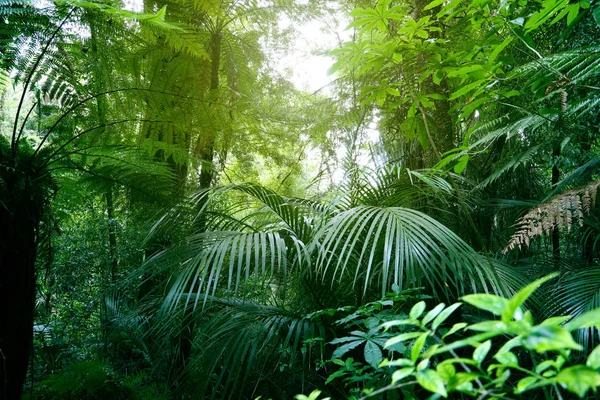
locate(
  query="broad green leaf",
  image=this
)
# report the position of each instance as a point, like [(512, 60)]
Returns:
[(423, 364), (507, 358), (313, 396), (578, 379), (488, 326), (543, 366), (511, 311), (389, 324), (489, 302), (474, 340), (433, 313), (549, 338), (573, 13), (344, 340), (340, 351), (373, 354), (464, 71), (461, 165), (468, 88), (401, 374), (401, 362), (438, 76), (455, 328), (444, 315), (417, 310), (585, 320), (431, 381), (335, 375), (593, 360), (498, 49), (554, 321), (401, 338), (461, 379), (418, 346), (511, 344), (481, 351), (525, 383), (433, 4), (446, 371)]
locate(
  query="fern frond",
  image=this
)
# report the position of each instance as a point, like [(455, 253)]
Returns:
[(510, 165), (562, 211)]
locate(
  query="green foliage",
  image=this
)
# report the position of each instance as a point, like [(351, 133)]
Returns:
[(441, 361), (94, 380)]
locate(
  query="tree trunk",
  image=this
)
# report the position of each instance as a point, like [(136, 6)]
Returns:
[(19, 223), (207, 148)]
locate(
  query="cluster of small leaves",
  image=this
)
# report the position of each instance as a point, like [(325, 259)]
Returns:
[(435, 366), (367, 342)]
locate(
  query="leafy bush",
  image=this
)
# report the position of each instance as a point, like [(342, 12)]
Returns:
[(94, 380), (511, 356)]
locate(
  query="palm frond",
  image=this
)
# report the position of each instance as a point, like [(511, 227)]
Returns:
[(403, 247), (226, 261), (576, 292)]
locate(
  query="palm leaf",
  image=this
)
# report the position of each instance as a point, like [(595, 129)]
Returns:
[(403, 247)]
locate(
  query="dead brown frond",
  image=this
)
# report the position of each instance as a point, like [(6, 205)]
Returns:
[(562, 211)]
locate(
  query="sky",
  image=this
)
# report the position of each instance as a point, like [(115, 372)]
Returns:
[(306, 65)]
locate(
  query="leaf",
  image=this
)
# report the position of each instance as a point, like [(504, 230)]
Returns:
[(596, 13), (498, 49), (344, 340), (389, 324), (511, 310), (314, 395), (423, 364), (489, 302), (573, 13), (543, 366), (433, 4), (401, 338), (593, 360), (468, 88), (446, 371), (430, 380), (443, 316), (340, 351), (417, 310), (401, 362), (586, 320), (418, 346), (525, 383), (488, 326), (507, 358), (433, 313), (481, 351), (373, 354), (578, 379), (455, 328), (461, 165), (549, 338), (335, 375), (401, 374)]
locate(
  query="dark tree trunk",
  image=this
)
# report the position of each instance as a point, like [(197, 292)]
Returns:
[(207, 149), (19, 223)]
